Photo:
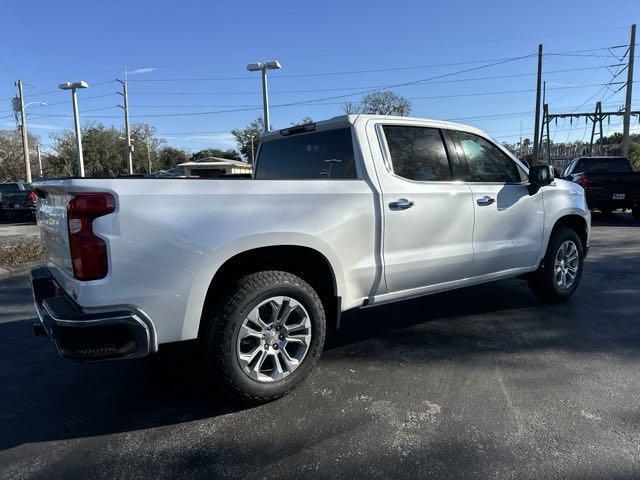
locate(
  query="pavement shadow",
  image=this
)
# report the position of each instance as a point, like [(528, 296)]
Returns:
[(614, 219), (47, 398)]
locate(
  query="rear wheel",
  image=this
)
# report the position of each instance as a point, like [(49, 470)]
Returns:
[(561, 269), (265, 336)]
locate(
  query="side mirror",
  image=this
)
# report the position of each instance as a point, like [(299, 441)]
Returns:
[(539, 176)]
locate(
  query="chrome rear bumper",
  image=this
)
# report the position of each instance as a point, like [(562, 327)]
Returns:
[(88, 337)]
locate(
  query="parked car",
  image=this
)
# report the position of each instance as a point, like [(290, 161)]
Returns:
[(609, 183), (17, 200), (348, 213)]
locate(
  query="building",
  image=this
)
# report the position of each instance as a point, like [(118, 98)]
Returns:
[(212, 167)]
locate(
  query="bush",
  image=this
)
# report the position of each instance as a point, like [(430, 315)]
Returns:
[(15, 253)]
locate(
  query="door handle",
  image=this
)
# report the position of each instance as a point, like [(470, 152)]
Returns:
[(484, 201), (401, 204)]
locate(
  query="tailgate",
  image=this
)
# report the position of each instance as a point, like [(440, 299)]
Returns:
[(52, 220), (624, 185)]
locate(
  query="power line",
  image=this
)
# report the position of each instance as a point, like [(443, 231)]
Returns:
[(378, 87)]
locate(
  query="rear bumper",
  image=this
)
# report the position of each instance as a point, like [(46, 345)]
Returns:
[(89, 337)]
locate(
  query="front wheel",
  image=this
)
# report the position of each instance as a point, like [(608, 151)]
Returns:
[(561, 269), (265, 336)]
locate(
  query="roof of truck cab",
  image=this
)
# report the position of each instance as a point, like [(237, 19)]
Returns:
[(346, 120)]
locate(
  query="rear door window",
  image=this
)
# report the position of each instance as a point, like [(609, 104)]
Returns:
[(417, 153), (318, 155)]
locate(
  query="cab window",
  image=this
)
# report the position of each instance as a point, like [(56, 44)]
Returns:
[(485, 161), (417, 153)]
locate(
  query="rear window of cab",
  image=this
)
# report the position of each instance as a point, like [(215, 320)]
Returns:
[(324, 155)]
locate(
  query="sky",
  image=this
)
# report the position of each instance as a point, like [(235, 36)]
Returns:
[(466, 60)]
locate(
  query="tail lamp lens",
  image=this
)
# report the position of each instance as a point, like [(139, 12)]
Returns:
[(88, 251), (583, 180)]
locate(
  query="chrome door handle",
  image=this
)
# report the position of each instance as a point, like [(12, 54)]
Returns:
[(401, 204), (483, 201)]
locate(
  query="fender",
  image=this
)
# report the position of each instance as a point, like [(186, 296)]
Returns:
[(203, 278), (562, 199)]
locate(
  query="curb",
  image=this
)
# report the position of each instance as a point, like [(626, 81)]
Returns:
[(15, 270)]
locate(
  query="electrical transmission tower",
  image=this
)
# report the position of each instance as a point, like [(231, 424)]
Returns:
[(598, 115)]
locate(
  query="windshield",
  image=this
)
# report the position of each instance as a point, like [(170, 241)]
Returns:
[(11, 187)]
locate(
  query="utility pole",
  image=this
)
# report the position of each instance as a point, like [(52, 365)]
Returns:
[(544, 102), (149, 156), (126, 121), (536, 134), (39, 159), (627, 103), (25, 139)]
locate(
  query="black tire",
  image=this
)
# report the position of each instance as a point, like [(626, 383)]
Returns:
[(542, 282), (223, 319), (636, 213)]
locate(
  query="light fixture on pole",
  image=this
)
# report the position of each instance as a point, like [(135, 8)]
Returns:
[(73, 86), (263, 67)]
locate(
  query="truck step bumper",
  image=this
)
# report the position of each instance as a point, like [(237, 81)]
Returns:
[(88, 337)]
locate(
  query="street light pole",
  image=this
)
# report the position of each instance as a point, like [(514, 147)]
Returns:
[(76, 125), (74, 86), (263, 67), (149, 156), (265, 100)]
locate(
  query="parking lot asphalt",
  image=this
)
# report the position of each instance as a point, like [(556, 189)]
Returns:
[(482, 382), (11, 232)]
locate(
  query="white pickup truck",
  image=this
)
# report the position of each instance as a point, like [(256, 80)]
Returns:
[(351, 212)]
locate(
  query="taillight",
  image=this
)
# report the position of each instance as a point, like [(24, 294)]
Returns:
[(583, 180), (32, 197), (88, 252)]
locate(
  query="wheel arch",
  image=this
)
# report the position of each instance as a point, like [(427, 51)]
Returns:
[(574, 222), (307, 262)]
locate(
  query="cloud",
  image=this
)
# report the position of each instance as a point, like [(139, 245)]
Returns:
[(35, 126), (43, 126), (225, 139), (139, 71)]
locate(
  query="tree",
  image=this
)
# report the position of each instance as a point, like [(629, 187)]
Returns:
[(248, 138), (380, 103), (104, 151), (12, 155), (304, 121), (169, 157), (143, 135), (215, 152)]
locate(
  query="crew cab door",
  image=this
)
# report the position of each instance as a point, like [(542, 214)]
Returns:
[(509, 221), (428, 215)]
